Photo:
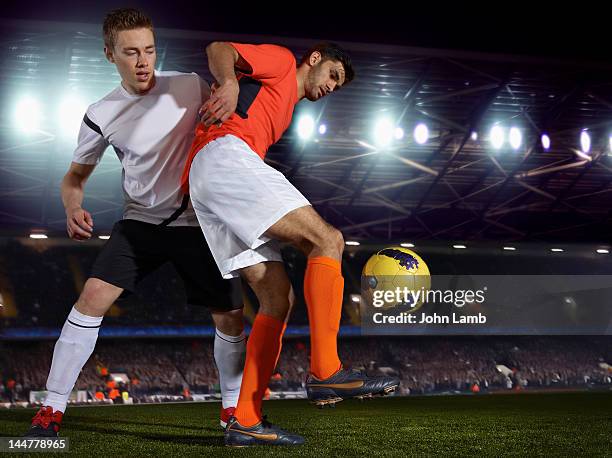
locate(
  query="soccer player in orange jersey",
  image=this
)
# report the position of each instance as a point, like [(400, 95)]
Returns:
[(245, 207)]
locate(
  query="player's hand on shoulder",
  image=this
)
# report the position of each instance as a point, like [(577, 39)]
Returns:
[(221, 104), (79, 224)]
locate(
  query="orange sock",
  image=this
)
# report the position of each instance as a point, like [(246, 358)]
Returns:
[(263, 349), (323, 286)]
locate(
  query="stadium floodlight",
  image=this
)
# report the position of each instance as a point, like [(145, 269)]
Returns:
[(545, 139), (557, 250), (38, 236), (306, 126), (383, 132), (352, 243), (322, 129), (355, 298), (570, 301), (585, 141), (509, 248), (70, 113), (421, 133), (515, 137), (398, 133), (28, 114), (407, 245), (474, 135), (459, 247), (104, 237), (497, 136), (603, 251)]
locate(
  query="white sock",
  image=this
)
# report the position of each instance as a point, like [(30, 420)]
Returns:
[(72, 350), (230, 352)]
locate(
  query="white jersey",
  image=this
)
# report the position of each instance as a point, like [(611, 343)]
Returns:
[(151, 135)]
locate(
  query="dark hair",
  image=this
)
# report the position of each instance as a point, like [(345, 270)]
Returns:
[(332, 51), (123, 19)]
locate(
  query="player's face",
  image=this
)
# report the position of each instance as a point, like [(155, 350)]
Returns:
[(134, 55), (324, 78)]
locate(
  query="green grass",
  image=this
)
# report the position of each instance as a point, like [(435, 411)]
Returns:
[(522, 424)]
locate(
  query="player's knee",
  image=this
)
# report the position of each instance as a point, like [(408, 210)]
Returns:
[(97, 297), (271, 285), (254, 275), (334, 242), (329, 242), (338, 239), (230, 323)]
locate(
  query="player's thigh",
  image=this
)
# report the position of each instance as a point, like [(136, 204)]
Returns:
[(135, 249), (304, 226), (195, 264), (231, 182)]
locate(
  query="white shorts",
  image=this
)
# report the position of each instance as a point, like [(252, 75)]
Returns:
[(237, 197)]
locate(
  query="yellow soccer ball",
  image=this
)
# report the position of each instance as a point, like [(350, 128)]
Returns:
[(393, 268)]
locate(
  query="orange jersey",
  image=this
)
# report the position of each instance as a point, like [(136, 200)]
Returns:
[(266, 101)]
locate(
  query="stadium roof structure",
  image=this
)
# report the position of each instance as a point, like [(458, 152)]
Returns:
[(454, 186)]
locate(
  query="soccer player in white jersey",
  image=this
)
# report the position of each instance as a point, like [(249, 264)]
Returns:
[(149, 120)]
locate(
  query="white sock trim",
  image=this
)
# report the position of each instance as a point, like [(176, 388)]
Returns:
[(79, 319), (230, 339)]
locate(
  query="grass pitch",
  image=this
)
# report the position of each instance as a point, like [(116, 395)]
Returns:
[(575, 424)]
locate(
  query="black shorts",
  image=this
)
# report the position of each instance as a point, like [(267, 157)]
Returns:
[(135, 249)]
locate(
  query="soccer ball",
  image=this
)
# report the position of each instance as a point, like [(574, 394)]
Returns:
[(392, 268)]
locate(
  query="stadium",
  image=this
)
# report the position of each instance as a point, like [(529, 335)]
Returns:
[(451, 164)]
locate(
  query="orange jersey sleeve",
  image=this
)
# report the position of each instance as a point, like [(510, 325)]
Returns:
[(268, 62)]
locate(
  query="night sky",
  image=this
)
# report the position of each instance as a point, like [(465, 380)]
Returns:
[(578, 31)]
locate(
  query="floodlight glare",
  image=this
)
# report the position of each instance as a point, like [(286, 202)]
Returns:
[(28, 114), (383, 132), (497, 137), (516, 138), (306, 126), (421, 134)]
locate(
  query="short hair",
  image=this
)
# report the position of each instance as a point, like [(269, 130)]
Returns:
[(123, 19), (332, 51)]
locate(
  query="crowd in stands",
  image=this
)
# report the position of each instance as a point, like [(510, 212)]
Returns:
[(425, 365), (44, 278), (44, 281)]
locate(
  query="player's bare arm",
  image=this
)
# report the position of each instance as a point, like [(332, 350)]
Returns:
[(223, 61), (79, 223)]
